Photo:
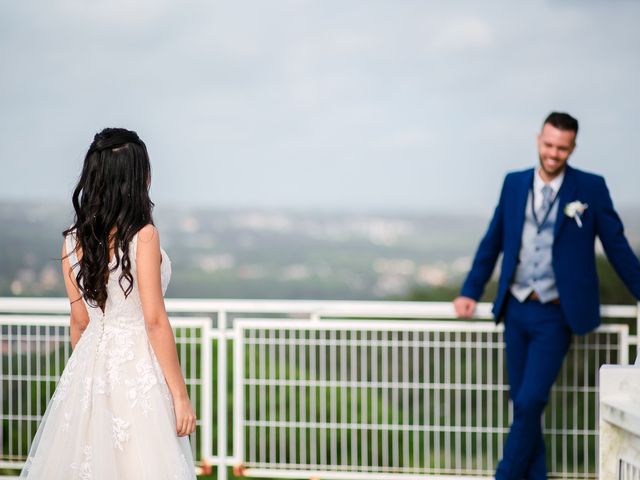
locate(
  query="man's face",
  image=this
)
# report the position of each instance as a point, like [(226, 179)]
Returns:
[(554, 148)]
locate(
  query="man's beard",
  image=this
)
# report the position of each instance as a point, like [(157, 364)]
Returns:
[(554, 173)]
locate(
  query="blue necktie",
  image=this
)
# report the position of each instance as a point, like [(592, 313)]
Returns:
[(547, 194)]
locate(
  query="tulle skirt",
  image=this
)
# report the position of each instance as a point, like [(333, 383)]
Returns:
[(111, 416)]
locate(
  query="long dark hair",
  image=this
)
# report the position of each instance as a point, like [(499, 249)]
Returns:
[(111, 203)]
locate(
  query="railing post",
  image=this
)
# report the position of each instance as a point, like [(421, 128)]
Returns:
[(207, 393), (222, 396), (238, 398)]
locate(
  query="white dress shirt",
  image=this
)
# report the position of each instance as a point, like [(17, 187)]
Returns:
[(538, 183)]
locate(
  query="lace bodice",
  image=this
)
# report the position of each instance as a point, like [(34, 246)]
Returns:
[(119, 308)]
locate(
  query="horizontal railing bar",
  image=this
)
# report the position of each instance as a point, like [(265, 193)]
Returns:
[(373, 384), (364, 343), (280, 471), (320, 308), (399, 385), (374, 426), (402, 427), (378, 325), (445, 326), (57, 321), (332, 472)]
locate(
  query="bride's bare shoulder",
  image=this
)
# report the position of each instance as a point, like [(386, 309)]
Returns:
[(149, 234)]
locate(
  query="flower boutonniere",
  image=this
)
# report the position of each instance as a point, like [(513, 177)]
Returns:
[(575, 210)]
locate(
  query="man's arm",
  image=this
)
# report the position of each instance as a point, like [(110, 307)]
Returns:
[(483, 263), (616, 246)]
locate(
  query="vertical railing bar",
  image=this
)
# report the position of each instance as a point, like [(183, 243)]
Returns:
[(575, 436), (282, 396), (32, 345), (20, 375), (302, 337), (394, 400), (415, 378), (385, 399), (353, 432), (426, 395), (565, 382), (222, 395), (405, 400), (312, 394), (2, 411), (554, 396), (447, 396), (262, 430), (597, 382), (469, 399), (585, 408), (374, 400), (457, 366), (490, 392), (272, 395), (364, 393), (436, 416), (293, 375), (322, 366), (193, 373), (333, 387), (253, 416), (623, 346), (344, 445), (500, 393), (479, 416)]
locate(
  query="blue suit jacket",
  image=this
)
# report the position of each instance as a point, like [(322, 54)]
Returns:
[(573, 251)]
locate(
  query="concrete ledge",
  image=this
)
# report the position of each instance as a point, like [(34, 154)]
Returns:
[(622, 413), (619, 418)]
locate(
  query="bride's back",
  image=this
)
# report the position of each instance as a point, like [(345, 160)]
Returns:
[(119, 306)]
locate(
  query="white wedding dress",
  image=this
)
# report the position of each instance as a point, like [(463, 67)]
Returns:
[(111, 416)]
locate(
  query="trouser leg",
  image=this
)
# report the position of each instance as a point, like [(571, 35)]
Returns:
[(537, 342)]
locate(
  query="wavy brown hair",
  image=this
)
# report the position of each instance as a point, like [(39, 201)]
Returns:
[(111, 203)]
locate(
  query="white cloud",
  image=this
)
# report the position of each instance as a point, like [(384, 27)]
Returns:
[(462, 34)]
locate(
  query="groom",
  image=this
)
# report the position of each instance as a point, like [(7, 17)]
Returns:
[(545, 226)]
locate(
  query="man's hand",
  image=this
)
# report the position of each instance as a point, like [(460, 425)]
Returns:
[(465, 307)]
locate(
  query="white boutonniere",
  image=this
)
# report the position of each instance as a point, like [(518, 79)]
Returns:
[(575, 210)]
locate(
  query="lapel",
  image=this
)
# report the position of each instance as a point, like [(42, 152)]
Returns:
[(566, 193), (520, 202)]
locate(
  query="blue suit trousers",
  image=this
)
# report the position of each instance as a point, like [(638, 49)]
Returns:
[(537, 339)]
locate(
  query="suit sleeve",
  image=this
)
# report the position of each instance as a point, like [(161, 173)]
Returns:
[(487, 254), (615, 244)]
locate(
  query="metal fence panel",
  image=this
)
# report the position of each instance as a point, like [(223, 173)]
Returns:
[(401, 398), (628, 470), (34, 351)]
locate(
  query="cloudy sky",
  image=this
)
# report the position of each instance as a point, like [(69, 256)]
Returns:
[(328, 104)]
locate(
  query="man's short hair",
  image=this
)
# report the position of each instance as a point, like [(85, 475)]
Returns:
[(562, 121)]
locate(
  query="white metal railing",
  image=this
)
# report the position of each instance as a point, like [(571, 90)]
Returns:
[(628, 470), (331, 389)]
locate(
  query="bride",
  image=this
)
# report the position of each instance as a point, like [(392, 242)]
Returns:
[(120, 409)]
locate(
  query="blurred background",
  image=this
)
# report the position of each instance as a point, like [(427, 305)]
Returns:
[(309, 149)]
